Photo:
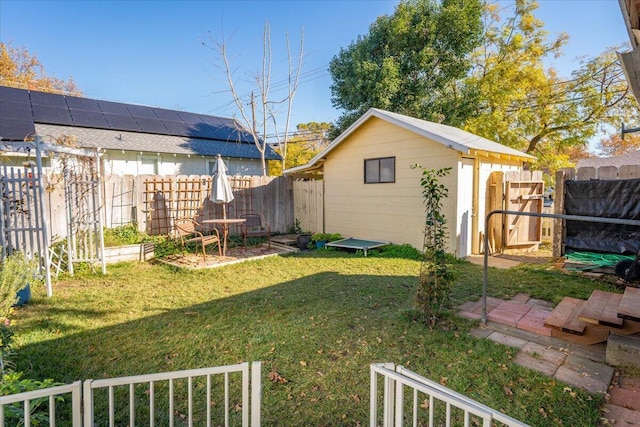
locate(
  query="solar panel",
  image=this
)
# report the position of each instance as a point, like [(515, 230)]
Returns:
[(113, 108), (176, 128), (141, 111), (167, 114), (86, 104), (14, 110), (15, 129), (89, 119), (48, 99), (120, 122), (52, 115), (189, 118), (200, 130), (14, 95), (151, 125)]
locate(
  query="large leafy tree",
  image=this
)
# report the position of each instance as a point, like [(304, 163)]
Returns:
[(615, 145), (19, 68), (529, 107), (411, 62), (308, 140)]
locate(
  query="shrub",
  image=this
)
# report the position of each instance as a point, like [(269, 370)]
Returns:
[(127, 234), (436, 275), (13, 383), (325, 237), (405, 251)]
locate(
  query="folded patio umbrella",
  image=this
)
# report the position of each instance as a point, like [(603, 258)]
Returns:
[(221, 191)]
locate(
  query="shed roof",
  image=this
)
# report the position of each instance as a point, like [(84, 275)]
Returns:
[(449, 136)]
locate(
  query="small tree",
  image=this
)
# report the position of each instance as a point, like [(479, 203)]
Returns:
[(261, 120), (436, 278)]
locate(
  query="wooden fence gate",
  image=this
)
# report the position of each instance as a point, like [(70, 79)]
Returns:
[(521, 191)]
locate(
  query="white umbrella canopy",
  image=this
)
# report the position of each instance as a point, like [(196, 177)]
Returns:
[(221, 191)]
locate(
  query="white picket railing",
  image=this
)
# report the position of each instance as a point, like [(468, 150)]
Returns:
[(27, 400), (430, 400), (119, 405)]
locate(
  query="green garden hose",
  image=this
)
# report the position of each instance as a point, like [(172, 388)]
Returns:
[(593, 260)]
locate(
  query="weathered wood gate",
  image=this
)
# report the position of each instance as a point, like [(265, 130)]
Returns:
[(521, 191)]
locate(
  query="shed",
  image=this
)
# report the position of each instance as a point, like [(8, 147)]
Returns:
[(371, 190)]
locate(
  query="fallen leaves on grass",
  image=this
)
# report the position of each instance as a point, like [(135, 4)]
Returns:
[(277, 378)]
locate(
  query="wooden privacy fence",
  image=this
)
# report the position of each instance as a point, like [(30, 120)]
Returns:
[(308, 204), (583, 174), (152, 201), (521, 191)]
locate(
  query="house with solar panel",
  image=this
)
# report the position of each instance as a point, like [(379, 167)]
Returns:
[(133, 139)]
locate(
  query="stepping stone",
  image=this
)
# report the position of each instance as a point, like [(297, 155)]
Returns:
[(602, 309), (534, 320), (508, 313), (507, 340), (620, 416), (586, 374), (630, 304), (626, 398), (564, 317)]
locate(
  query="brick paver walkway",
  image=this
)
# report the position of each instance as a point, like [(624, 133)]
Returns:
[(519, 323)]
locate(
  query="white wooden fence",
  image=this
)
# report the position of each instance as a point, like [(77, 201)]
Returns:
[(134, 400)]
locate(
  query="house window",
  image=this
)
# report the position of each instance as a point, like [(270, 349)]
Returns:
[(212, 164), (380, 170), (148, 165)]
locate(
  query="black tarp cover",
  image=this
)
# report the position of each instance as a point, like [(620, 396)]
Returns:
[(606, 199)]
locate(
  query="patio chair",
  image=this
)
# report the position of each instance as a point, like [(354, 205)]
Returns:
[(188, 231), (254, 226)]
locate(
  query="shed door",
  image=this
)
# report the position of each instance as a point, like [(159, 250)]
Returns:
[(465, 207)]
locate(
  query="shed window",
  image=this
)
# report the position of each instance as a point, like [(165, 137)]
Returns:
[(380, 170)]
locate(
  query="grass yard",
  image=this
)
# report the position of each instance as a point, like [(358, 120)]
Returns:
[(317, 318)]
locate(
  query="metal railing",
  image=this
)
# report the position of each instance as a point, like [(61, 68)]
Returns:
[(140, 400), (32, 400), (485, 276), (430, 403)]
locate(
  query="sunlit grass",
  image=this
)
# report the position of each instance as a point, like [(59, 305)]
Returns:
[(318, 319)]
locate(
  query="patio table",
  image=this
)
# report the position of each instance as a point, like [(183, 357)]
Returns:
[(225, 228)]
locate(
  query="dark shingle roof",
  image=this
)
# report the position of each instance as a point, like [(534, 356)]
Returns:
[(97, 122), (145, 142)]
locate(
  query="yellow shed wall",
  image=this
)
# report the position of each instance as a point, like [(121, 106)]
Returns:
[(389, 211)]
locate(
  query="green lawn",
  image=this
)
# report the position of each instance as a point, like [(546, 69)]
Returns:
[(317, 318)]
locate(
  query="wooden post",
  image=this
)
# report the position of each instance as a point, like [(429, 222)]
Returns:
[(558, 208)]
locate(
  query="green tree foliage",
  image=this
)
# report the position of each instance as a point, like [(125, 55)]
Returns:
[(308, 140), (18, 68), (411, 62), (530, 108)]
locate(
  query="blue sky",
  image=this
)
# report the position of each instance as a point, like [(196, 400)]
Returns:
[(151, 53)]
